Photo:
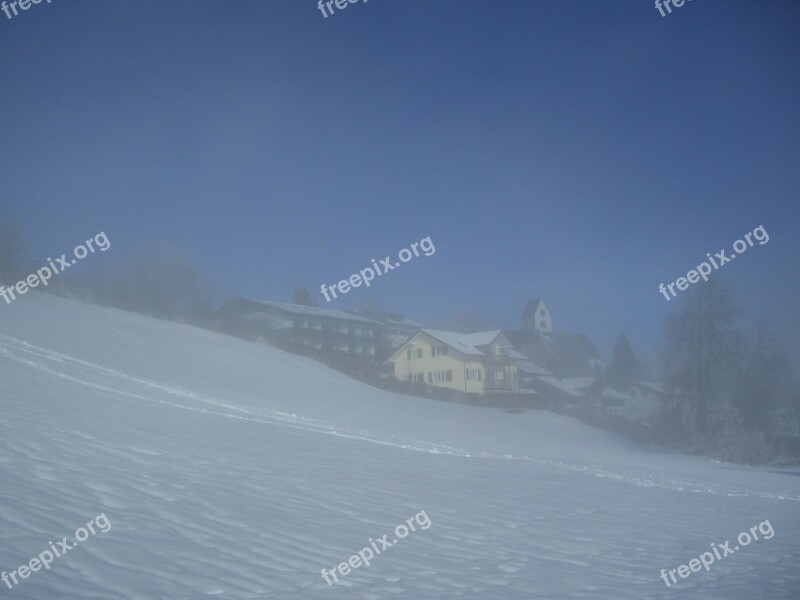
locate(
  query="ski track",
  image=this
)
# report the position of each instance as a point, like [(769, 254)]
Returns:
[(20, 351)]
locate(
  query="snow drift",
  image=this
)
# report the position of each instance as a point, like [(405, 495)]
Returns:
[(231, 469)]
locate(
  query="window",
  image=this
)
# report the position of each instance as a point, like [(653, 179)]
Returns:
[(439, 351), (440, 376), (414, 353), (473, 374), (418, 378)]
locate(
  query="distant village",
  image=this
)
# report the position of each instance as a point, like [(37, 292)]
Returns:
[(532, 367)]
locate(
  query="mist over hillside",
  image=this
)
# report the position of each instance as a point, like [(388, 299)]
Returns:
[(232, 469), (399, 300)]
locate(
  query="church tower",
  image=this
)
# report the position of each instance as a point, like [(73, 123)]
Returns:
[(536, 317)]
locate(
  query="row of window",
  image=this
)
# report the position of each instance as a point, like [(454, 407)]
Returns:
[(500, 376), (473, 374), (347, 348), (417, 352), (317, 326), (440, 376), (433, 377), (442, 351)]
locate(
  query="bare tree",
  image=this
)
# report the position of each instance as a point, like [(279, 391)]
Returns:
[(624, 369), (764, 373), (369, 305), (12, 245), (165, 283), (700, 348), (160, 282), (303, 296)]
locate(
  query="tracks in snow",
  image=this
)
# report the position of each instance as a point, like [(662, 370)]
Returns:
[(82, 372)]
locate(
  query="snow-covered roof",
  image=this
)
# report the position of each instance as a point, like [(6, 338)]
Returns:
[(574, 386), (532, 368), (511, 353), (401, 320), (387, 318), (464, 342), (653, 386), (524, 390), (608, 392), (314, 311)]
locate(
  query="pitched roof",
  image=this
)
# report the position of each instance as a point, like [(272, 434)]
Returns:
[(511, 353), (573, 386), (466, 343), (312, 311), (387, 318), (653, 386), (527, 366), (531, 307)]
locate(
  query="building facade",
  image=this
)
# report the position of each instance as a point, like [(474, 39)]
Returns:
[(321, 329), (473, 363)]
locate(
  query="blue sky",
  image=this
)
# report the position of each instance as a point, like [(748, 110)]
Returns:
[(580, 151)]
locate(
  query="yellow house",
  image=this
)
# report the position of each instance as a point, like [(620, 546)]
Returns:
[(473, 363)]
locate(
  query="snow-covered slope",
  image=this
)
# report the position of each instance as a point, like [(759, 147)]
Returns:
[(230, 469)]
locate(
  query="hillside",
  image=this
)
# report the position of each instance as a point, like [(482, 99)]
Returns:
[(231, 469)]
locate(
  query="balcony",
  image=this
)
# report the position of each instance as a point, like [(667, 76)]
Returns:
[(499, 385)]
